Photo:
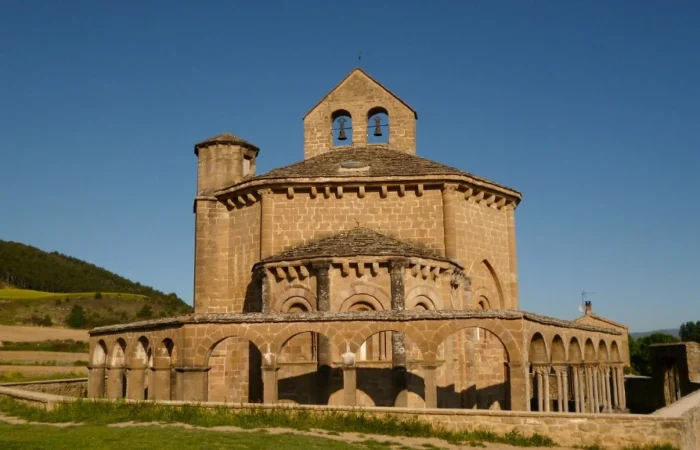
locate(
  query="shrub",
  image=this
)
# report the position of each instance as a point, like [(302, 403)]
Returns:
[(46, 321), (98, 295), (76, 318), (145, 312)]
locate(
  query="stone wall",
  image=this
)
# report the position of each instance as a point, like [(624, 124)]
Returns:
[(410, 218), (70, 388), (678, 425), (639, 394)]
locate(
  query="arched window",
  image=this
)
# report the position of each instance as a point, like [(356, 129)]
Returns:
[(377, 126), (341, 128)]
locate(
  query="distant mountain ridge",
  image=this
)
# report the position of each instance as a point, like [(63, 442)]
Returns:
[(27, 267), (672, 331)]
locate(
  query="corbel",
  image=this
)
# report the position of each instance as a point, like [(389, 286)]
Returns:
[(488, 200), (425, 272), (304, 271), (339, 192), (479, 197), (230, 202), (314, 192), (280, 273), (468, 193), (402, 190), (419, 190), (345, 268), (375, 268), (327, 192), (360, 269), (436, 272), (251, 198), (361, 192), (415, 270), (292, 272), (501, 202), (290, 192), (383, 191), (241, 200)]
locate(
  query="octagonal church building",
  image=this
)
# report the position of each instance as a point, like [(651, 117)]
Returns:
[(363, 275)]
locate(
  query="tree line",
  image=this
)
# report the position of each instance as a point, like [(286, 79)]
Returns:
[(27, 267), (640, 354)]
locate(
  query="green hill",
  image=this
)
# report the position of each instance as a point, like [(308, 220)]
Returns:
[(38, 287)]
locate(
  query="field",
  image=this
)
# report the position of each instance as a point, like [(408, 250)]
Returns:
[(20, 362), (19, 333), (30, 307)]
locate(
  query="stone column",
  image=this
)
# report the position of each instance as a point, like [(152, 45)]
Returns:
[(577, 390), (616, 388), (450, 199), (263, 281), (193, 383), (324, 353), (589, 385), (557, 375), (540, 389), (519, 374), (606, 380), (266, 217), (621, 383), (546, 370), (136, 377), (96, 381), (349, 379), (513, 260), (115, 382), (398, 340), (565, 383), (269, 384), (430, 385), (596, 391), (160, 389)]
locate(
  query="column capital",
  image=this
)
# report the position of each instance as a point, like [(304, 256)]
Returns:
[(430, 365), (97, 366), (560, 368), (450, 189), (321, 265), (267, 192), (398, 265)]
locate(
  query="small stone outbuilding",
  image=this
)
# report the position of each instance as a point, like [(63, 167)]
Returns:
[(362, 275)]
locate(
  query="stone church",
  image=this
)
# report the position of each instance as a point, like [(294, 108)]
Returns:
[(362, 275)]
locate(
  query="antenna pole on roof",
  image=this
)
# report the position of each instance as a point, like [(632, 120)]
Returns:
[(359, 58)]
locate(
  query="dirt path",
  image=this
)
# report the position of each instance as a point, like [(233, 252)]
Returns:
[(21, 333)]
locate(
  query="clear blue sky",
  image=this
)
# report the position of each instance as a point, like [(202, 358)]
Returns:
[(591, 109)]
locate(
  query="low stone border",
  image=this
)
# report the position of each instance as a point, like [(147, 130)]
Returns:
[(678, 425)]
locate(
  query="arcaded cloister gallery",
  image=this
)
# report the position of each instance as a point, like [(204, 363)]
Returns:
[(363, 275)]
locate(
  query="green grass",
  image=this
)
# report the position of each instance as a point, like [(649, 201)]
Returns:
[(22, 362), (28, 294), (99, 437), (18, 377), (101, 413), (59, 345)]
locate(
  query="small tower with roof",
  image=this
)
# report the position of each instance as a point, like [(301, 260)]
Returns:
[(357, 113), (223, 160)]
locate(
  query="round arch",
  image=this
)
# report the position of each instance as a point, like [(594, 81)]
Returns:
[(603, 355), (365, 292), (537, 350), (589, 354), (294, 296), (575, 355), (423, 295), (615, 353), (99, 353), (497, 301), (558, 350)]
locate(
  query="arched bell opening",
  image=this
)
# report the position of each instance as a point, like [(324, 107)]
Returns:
[(341, 128), (378, 126)]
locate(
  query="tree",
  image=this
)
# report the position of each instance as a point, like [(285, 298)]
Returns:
[(46, 321), (145, 313), (76, 318), (640, 356), (690, 332)]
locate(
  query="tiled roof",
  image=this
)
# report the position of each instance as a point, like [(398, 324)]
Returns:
[(358, 241), (225, 138), (378, 161)]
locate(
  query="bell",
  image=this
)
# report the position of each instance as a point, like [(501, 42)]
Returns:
[(341, 133), (377, 127)]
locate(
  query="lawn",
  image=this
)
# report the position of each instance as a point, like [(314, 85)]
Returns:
[(98, 437), (16, 376)]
